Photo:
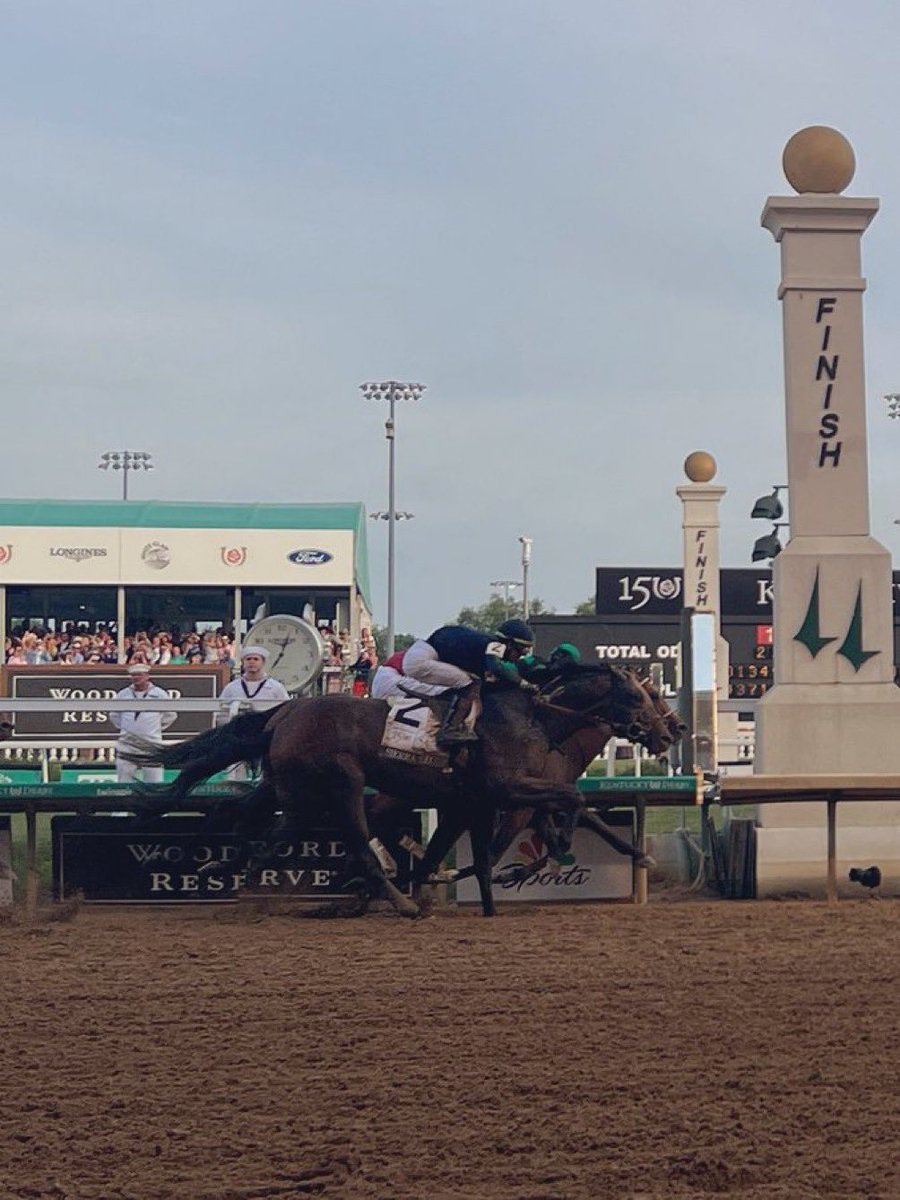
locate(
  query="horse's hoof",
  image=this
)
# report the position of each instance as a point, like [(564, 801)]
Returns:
[(647, 861), (407, 907), (514, 874), (444, 875)]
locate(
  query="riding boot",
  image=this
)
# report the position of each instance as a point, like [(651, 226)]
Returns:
[(453, 731)]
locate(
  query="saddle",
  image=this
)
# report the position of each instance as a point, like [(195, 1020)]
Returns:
[(425, 729), (457, 710)]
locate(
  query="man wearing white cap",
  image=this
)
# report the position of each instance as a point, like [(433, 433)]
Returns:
[(138, 727), (254, 684)]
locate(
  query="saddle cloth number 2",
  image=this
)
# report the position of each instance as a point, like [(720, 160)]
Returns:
[(410, 726)]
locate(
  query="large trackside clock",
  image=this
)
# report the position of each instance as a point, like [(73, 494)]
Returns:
[(296, 651)]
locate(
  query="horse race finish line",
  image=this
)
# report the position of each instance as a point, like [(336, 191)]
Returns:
[(114, 797)]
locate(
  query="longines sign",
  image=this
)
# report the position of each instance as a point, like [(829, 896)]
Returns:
[(75, 683)]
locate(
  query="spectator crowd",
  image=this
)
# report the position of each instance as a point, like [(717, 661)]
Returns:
[(77, 644)]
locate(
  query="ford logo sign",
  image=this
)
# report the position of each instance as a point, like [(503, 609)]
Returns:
[(310, 558)]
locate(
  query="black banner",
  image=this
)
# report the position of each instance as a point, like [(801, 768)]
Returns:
[(635, 643), (130, 860), (76, 683), (657, 591)]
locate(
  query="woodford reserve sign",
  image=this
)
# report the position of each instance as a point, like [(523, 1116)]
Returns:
[(73, 683), (181, 860), (637, 622)]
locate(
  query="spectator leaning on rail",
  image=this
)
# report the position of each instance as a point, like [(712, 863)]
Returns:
[(136, 728), (454, 654)]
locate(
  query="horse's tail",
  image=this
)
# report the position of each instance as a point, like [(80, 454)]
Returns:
[(242, 739)]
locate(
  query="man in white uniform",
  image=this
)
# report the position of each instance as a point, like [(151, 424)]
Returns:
[(136, 728), (254, 684)]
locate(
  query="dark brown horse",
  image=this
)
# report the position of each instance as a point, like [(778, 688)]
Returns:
[(566, 763), (319, 753)]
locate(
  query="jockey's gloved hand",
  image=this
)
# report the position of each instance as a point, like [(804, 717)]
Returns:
[(531, 688)]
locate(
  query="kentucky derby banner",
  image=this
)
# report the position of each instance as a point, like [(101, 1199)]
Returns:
[(129, 860), (592, 871)]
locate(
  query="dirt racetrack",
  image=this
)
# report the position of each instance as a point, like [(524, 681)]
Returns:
[(681, 1050)]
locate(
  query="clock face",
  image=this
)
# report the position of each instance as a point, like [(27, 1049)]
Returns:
[(296, 651)]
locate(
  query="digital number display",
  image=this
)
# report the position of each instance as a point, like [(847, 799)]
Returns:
[(753, 678)]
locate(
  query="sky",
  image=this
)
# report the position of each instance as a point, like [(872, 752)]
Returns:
[(219, 217)]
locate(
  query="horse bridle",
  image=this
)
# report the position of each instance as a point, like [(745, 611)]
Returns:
[(546, 701)]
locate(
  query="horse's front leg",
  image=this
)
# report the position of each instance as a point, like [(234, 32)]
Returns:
[(450, 827), (510, 826), (593, 821), (481, 828), (562, 798)]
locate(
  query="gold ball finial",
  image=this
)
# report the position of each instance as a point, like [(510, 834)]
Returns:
[(818, 159), (700, 467)]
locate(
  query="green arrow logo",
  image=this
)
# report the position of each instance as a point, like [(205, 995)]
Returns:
[(852, 646), (809, 634)]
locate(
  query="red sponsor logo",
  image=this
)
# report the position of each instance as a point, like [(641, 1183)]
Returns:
[(234, 556), (5, 554)]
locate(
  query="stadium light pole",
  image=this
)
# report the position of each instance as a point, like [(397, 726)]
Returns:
[(392, 391), (125, 461), (526, 543), (892, 400), (507, 585)]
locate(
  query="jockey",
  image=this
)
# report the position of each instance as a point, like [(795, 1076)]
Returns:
[(389, 680), (539, 670), (458, 657)]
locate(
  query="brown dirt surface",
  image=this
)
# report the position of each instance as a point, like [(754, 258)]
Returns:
[(679, 1050)]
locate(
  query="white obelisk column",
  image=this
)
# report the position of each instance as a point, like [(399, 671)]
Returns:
[(834, 707), (700, 501)]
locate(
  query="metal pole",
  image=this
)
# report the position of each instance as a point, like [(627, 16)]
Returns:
[(31, 872), (526, 559), (120, 623), (125, 478), (392, 523), (832, 850)]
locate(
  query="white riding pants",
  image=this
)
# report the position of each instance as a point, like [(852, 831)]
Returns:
[(387, 682), (421, 662)]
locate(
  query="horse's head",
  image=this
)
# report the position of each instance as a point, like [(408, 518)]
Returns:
[(600, 691), (653, 723), (616, 696), (675, 727)]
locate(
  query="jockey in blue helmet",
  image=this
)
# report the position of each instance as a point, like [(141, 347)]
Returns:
[(455, 655)]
